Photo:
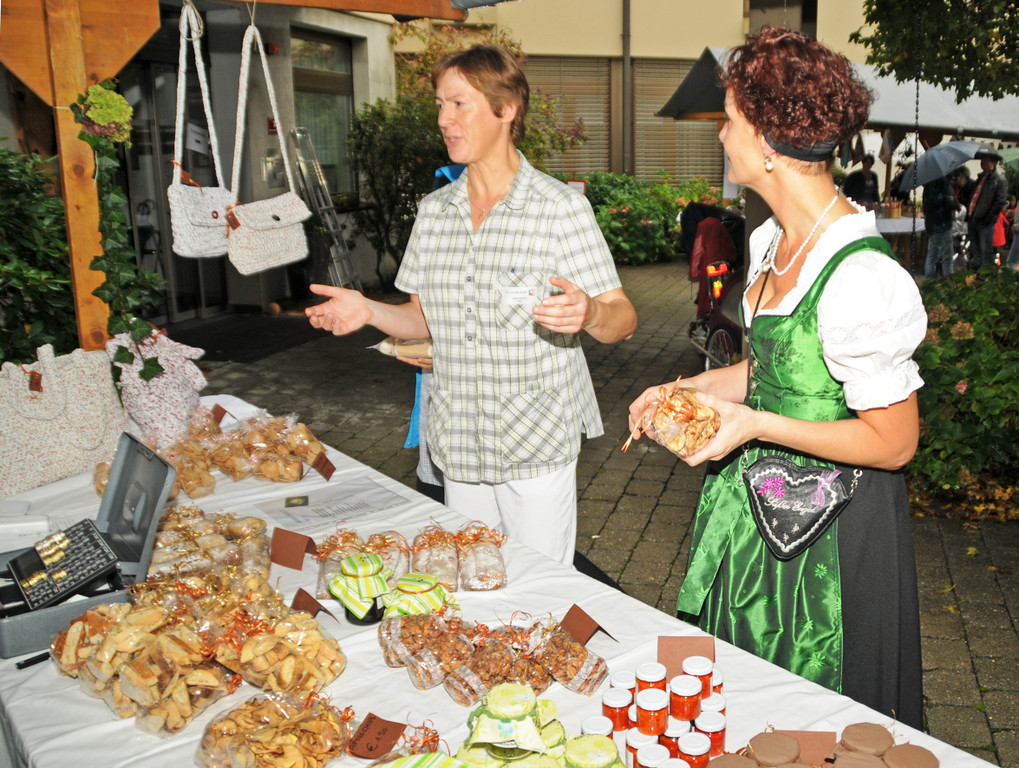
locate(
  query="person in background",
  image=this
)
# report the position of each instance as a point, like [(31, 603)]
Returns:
[(989, 197), (861, 186), (939, 207), (504, 268), (962, 186), (829, 380)]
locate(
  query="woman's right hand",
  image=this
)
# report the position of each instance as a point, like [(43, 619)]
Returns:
[(425, 363), (345, 311), (647, 398)]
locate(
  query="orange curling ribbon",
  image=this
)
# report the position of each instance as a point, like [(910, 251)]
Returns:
[(647, 416), (342, 539), (185, 177), (422, 738)]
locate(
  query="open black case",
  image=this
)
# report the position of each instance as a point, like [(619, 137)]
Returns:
[(90, 562)]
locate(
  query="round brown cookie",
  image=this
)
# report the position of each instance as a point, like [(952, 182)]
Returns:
[(869, 738), (733, 761), (859, 760), (909, 756), (773, 749)]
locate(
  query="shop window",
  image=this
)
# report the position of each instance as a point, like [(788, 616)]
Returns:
[(324, 100)]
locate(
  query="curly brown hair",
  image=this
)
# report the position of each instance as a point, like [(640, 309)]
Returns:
[(493, 71), (795, 90)]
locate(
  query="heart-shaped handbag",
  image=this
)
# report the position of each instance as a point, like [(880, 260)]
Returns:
[(793, 505)]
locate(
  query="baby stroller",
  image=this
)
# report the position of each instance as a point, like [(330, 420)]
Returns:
[(716, 264)]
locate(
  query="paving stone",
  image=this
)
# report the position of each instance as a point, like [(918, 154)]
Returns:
[(1002, 709), (1007, 744), (997, 674), (993, 642), (963, 727), (948, 653), (954, 687)]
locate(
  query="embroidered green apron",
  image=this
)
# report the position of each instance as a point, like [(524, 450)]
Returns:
[(789, 613)]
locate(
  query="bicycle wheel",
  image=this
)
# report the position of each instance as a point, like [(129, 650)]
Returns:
[(722, 350)]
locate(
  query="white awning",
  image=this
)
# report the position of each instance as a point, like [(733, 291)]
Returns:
[(700, 96)]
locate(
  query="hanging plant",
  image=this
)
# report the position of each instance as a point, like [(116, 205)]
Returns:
[(129, 290)]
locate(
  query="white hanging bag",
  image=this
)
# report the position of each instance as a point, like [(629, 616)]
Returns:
[(266, 233), (197, 213)]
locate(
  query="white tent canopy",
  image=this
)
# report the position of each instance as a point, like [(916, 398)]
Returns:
[(700, 96)]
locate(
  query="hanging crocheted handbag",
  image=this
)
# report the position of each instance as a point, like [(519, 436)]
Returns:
[(197, 213), (58, 417), (266, 233)]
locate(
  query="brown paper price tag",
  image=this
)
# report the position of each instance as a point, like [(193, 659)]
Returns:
[(375, 737), (580, 626), (288, 548), (673, 649)]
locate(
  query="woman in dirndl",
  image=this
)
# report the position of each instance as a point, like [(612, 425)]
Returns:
[(829, 384)]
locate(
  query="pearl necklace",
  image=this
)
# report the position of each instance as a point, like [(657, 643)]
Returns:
[(769, 260)]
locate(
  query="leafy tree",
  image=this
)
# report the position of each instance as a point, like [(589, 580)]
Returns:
[(396, 145), (966, 46), (36, 301)]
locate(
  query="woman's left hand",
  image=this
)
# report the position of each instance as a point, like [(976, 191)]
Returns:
[(738, 427), (565, 312)]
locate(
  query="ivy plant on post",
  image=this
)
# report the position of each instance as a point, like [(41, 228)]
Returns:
[(129, 290)]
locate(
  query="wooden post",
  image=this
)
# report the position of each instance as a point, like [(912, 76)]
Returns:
[(77, 168)]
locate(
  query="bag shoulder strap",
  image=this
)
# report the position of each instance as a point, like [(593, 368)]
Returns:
[(189, 21), (252, 35)]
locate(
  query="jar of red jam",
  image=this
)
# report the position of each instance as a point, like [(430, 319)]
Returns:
[(694, 748), (634, 741), (714, 703), (631, 715), (685, 697), (717, 680), (651, 675), (614, 705), (651, 756), (652, 711), (702, 668), (673, 731), (624, 678), (712, 725)]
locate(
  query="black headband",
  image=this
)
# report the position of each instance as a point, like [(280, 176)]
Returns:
[(815, 153)]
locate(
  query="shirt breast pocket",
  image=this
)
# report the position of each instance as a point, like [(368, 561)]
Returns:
[(517, 294)]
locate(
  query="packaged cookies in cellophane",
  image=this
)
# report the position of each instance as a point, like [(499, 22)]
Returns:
[(330, 553), (72, 646), (129, 636), (679, 421), (490, 665), (402, 636), (194, 472), (394, 550), (527, 671), (189, 542), (480, 562), (276, 730), (569, 662), (429, 666), (435, 552)]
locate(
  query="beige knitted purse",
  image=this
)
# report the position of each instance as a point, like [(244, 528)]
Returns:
[(58, 417), (266, 233)]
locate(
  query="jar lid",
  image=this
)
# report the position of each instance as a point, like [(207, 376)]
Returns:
[(510, 701), (598, 725), (553, 734), (617, 697), (697, 665), (685, 685), (710, 722), (713, 703), (361, 564), (591, 751), (717, 678), (651, 671), (652, 755), (652, 699), (623, 679), (677, 728), (636, 739), (694, 744)]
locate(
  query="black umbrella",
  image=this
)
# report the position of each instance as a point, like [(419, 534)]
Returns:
[(941, 160)]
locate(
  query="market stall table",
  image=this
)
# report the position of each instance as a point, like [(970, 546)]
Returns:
[(899, 232), (47, 721)]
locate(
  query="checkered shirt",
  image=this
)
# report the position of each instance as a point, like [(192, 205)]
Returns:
[(509, 399)]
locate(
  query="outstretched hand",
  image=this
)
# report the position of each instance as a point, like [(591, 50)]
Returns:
[(566, 312), (345, 311)]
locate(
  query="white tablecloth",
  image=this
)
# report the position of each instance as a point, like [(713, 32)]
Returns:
[(48, 722), (900, 226)]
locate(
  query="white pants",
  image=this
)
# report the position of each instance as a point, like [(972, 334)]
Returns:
[(540, 513)]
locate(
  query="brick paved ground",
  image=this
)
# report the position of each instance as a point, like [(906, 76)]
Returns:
[(635, 508)]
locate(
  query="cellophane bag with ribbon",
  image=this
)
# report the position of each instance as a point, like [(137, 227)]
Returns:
[(330, 552), (435, 552), (480, 563)]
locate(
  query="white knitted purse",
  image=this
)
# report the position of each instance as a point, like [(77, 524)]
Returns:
[(197, 214), (266, 233), (58, 417)]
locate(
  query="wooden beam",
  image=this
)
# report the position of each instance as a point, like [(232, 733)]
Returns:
[(77, 168), (432, 9), (23, 45)]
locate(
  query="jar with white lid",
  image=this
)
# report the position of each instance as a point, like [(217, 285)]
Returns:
[(597, 725), (685, 697), (702, 668), (670, 738), (712, 725), (624, 678), (634, 741), (651, 674), (694, 748), (652, 711), (714, 703), (651, 756), (614, 705)]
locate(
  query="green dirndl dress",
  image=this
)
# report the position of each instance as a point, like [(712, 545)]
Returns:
[(844, 613)]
